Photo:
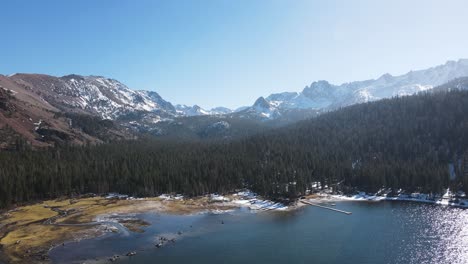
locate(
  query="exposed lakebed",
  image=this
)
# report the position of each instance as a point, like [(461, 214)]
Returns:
[(376, 232)]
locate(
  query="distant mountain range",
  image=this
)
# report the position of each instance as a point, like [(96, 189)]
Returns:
[(35, 102), (196, 110), (323, 96)]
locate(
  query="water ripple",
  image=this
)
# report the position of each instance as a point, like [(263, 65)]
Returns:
[(444, 238)]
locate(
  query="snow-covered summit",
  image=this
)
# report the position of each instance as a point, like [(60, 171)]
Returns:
[(262, 109), (220, 110), (195, 110), (111, 98), (322, 95), (101, 96)]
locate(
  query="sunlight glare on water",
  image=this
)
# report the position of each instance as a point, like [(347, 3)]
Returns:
[(443, 240)]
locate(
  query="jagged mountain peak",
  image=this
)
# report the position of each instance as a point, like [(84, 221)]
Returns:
[(318, 88), (220, 110), (159, 102), (323, 96), (72, 76), (111, 99), (261, 102), (194, 110), (386, 77), (98, 95), (320, 84), (261, 109)]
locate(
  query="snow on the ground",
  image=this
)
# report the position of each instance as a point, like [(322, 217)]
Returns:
[(168, 197), (116, 196), (244, 198), (414, 197), (218, 198), (247, 194), (253, 202), (359, 197)]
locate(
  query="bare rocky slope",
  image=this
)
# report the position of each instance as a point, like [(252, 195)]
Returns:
[(36, 111)]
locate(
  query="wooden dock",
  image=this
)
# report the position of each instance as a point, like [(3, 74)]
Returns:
[(325, 207)]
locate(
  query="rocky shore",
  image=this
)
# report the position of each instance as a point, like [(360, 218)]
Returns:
[(29, 232)]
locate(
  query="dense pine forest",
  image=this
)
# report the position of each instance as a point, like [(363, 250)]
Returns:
[(406, 142)]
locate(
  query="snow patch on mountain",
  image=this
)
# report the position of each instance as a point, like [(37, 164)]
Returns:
[(220, 111), (323, 96), (195, 110), (266, 109), (110, 99)]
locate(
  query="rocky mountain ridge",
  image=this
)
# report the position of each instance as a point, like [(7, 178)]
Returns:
[(45, 109), (324, 96)]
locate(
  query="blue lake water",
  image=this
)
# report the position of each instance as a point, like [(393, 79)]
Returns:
[(380, 232)]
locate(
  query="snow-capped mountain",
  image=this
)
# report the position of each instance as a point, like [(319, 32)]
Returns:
[(261, 109), (321, 95), (142, 110), (220, 110), (195, 110), (44, 111), (159, 102), (107, 98)]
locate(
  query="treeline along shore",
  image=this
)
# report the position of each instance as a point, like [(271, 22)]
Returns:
[(418, 143)]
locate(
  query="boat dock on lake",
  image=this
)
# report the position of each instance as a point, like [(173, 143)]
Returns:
[(325, 207)]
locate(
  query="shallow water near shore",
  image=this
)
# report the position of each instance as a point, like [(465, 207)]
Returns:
[(376, 232)]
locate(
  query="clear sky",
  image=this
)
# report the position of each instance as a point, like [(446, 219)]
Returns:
[(229, 52)]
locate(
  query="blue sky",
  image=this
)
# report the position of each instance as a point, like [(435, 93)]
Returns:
[(229, 52)]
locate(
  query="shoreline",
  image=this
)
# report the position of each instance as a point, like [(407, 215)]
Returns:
[(28, 233), (377, 198), (63, 221)]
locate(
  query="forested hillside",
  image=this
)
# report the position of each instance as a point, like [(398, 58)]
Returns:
[(405, 142), (207, 128)]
